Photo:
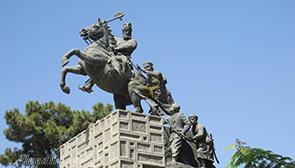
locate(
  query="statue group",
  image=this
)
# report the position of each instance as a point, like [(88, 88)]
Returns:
[(107, 62)]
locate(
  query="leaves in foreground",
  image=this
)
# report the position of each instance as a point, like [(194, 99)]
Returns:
[(249, 157)]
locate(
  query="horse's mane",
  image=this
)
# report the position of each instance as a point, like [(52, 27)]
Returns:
[(108, 33)]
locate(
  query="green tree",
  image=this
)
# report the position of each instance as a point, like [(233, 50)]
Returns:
[(249, 157), (42, 128)]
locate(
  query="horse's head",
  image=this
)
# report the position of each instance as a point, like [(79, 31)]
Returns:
[(93, 32), (98, 31)]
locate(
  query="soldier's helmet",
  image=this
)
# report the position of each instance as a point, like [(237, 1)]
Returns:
[(194, 116), (148, 63), (175, 107)]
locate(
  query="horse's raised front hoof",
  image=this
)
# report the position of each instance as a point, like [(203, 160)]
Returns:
[(65, 89), (85, 89)]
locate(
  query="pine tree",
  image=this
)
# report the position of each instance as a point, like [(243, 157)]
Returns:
[(42, 128)]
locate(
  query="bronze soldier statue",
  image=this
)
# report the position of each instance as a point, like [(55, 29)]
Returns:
[(179, 126), (154, 80), (153, 87), (203, 143)]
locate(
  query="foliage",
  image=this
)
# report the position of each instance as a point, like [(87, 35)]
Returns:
[(248, 157), (42, 128)]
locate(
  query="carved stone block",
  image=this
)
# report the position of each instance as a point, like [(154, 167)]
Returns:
[(122, 139)]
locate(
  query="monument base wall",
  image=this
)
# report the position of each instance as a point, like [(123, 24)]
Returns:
[(122, 139)]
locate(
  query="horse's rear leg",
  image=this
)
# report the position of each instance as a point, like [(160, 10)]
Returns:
[(135, 99), (76, 69), (121, 101)]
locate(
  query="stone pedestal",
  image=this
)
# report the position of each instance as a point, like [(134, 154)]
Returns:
[(120, 140)]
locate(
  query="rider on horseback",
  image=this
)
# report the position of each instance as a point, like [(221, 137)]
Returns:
[(123, 49), (126, 45)]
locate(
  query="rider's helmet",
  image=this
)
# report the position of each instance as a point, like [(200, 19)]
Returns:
[(127, 30), (127, 26)]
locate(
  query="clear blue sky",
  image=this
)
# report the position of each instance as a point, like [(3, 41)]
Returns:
[(230, 62)]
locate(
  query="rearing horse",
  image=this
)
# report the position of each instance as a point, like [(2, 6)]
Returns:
[(106, 70)]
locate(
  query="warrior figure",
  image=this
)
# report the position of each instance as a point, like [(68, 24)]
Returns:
[(203, 142), (126, 45), (153, 87), (179, 126)]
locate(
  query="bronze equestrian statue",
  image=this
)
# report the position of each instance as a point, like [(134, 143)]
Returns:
[(107, 61), (108, 71)]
